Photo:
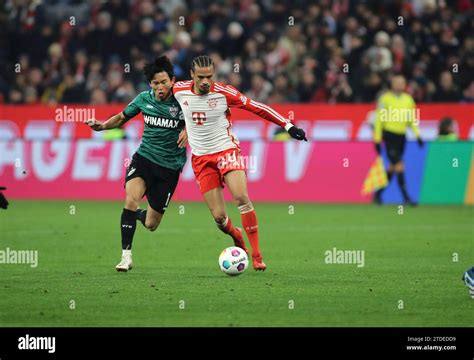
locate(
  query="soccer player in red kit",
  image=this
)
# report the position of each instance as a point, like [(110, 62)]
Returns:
[(216, 158)]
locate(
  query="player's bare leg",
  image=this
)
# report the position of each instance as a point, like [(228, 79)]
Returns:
[(215, 202), (153, 219), (134, 189), (150, 218), (236, 181)]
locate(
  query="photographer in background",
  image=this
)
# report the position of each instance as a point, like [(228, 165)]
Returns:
[(446, 130)]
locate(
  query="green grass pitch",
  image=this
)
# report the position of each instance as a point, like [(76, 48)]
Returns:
[(412, 274)]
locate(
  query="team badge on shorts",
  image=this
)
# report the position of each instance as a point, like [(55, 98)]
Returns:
[(174, 110)]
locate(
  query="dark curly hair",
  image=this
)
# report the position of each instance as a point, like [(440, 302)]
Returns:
[(158, 65)]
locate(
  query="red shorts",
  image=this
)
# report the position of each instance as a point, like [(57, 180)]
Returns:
[(210, 169)]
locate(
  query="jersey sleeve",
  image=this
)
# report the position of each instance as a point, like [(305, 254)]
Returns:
[(133, 108), (181, 85), (236, 99), (414, 121), (378, 121)]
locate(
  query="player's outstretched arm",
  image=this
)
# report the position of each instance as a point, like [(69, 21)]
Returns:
[(182, 139), (111, 123), (236, 99), (414, 123)]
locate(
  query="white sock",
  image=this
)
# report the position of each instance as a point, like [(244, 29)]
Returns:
[(126, 252), (246, 208)]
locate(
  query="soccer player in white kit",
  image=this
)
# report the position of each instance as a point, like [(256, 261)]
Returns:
[(216, 158)]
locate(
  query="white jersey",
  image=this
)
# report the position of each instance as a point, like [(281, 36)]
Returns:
[(207, 116)]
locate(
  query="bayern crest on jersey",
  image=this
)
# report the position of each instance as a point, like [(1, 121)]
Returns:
[(212, 103), (173, 110)]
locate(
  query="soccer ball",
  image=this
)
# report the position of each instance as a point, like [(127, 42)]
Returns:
[(233, 261)]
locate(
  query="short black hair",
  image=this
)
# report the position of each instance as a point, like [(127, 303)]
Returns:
[(160, 64), (202, 61)]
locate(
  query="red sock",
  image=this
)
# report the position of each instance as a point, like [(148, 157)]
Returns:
[(249, 221), (228, 228)]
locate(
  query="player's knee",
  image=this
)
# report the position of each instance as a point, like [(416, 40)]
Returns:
[(152, 228), (399, 167), (152, 225), (219, 218), (242, 199), (131, 202)]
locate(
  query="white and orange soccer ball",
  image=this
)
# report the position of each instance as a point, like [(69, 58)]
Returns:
[(233, 261)]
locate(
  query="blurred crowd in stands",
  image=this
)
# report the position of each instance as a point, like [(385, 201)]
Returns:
[(275, 51)]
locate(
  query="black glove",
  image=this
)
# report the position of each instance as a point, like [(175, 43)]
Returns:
[(297, 133), (378, 148), (420, 142)]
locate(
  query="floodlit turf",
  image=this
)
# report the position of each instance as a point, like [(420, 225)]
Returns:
[(176, 280)]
